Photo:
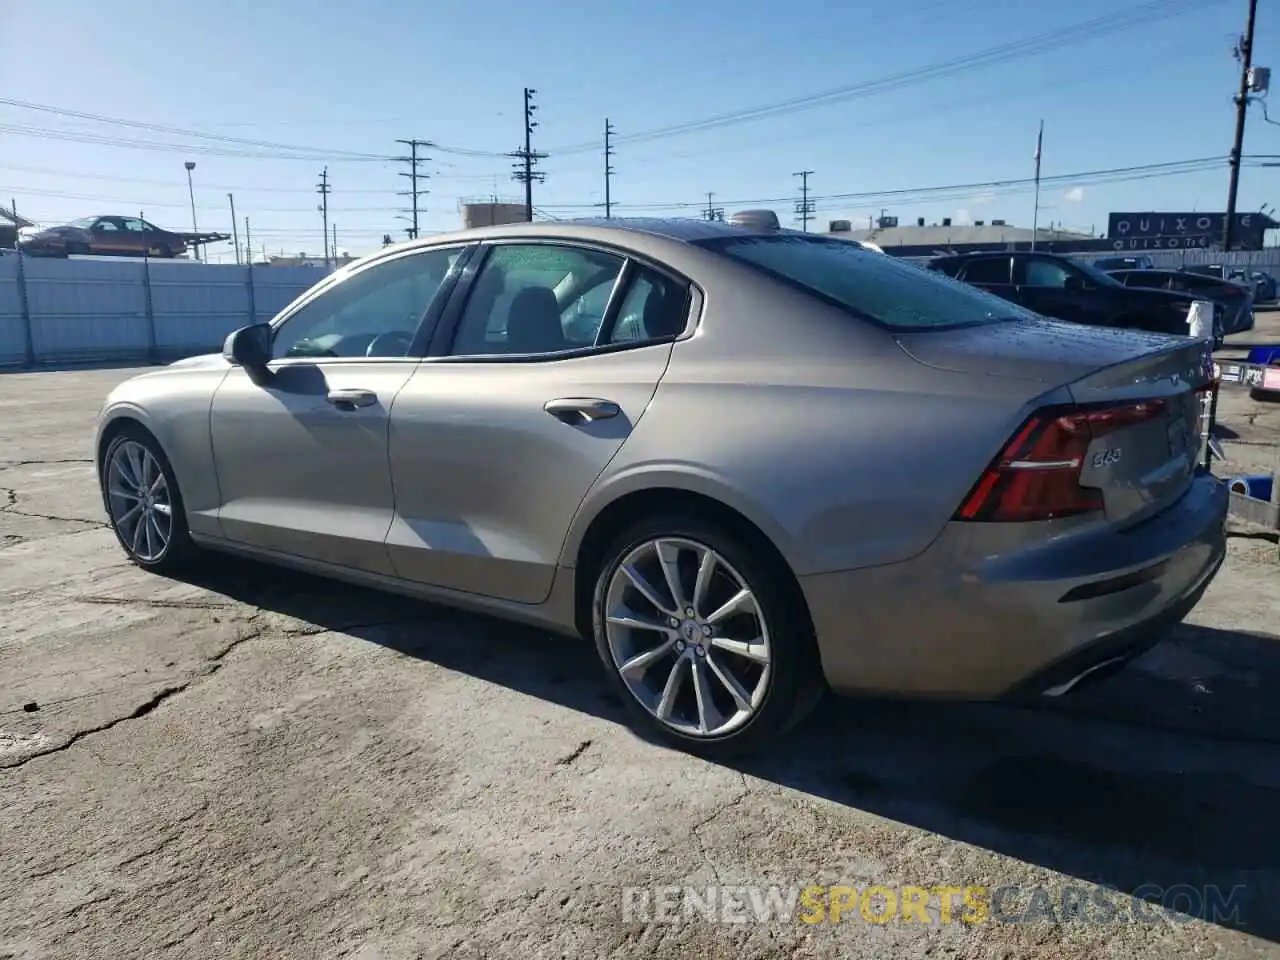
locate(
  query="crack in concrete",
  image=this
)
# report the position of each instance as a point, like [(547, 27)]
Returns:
[(137, 713), (577, 751), (10, 507), (14, 464), (214, 665), (697, 837), (161, 604)]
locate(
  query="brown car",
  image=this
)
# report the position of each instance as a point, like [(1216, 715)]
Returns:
[(105, 236)]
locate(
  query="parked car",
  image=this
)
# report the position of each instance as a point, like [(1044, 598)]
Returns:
[(104, 236), (1232, 300), (1057, 286), (1109, 264), (1262, 284), (773, 463), (1266, 292)]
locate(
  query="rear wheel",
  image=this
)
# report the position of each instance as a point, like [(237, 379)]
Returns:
[(77, 249), (699, 636), (144, 504)]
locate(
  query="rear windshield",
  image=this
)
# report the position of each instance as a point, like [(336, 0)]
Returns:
[(887, 291)]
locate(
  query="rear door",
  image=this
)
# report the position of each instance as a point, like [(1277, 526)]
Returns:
[(548, 358), (993, 274)]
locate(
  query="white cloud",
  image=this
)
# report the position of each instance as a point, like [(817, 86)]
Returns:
[(981, 198), (1074, 195), (962, 217)]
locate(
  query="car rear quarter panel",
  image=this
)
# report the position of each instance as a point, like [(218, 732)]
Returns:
[(173, 404), (815, 426)]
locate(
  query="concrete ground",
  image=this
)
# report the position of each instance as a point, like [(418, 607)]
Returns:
[(261, 764)]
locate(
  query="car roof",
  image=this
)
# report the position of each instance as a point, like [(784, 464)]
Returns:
[(971, 254), (683, 230)]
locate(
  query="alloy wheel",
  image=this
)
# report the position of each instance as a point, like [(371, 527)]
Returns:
[(139, 500), (688, 637)]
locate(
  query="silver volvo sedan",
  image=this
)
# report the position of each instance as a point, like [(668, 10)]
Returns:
[(749, 464)]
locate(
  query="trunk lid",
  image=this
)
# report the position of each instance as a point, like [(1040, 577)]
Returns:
[(1140, 467)]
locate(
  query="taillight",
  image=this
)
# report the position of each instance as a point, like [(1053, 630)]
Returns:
[(1037, 475)]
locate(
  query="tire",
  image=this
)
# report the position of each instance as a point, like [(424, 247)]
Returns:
[(77, 250), (161, 251), (779, 693), (128, 444)]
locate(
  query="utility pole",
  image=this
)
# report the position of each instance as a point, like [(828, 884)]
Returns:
[(248, 250), (805, 208), (235, 233), (713, 212), (608, 167), (414, 176), (1245, 53), (323, 189), (191, 192), (1035, 210), (528, 157)]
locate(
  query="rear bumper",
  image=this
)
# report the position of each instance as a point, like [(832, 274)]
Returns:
[(973, 624)]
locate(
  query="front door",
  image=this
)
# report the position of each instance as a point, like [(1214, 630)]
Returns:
[(1053, 288), (495, 443), (302, 458)]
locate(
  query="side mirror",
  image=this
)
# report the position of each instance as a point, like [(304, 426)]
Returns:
[(250, 347)]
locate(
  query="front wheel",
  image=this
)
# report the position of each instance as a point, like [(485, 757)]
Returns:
[(143, 502), (700, 637)]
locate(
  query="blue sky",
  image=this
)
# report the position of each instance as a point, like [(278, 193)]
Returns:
[(343, 78)]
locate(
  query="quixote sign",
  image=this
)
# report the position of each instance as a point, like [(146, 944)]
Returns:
[(1174, 231)]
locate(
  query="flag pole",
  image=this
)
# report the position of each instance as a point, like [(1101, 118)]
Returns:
[(1035, 213)]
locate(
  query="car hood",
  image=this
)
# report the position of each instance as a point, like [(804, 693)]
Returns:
[(206, 361), (1046, 351)]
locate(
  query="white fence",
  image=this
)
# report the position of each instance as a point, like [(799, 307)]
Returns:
[(86, 310), (1268, 259)]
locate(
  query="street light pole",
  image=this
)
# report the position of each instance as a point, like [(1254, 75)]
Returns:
[(191, 165)]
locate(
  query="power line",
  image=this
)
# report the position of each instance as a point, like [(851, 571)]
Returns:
[(1138, 15), (528, 157), (413, 193), (1112, 174), (804, 207)]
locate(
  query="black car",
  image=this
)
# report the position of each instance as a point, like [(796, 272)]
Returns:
[(1233, 298), (1060, 287)]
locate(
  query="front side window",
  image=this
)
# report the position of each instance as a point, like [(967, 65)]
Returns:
[(1047, 273), (106, 226), (878, 287), (536, 298), (375, 312)]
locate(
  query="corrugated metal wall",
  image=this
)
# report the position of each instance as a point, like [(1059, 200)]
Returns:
[(86, 310)]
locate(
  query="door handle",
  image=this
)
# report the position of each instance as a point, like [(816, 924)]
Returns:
[(351, 398), (576, 410)]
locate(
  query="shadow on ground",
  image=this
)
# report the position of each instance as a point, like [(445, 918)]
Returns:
[(1163, 777)]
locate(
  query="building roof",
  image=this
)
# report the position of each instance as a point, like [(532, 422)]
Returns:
[(943, 237)]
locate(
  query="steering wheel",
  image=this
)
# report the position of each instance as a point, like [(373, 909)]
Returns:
[(395, 343)]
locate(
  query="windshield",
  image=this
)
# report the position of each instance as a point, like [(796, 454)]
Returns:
[(84, 222), (885, 290)]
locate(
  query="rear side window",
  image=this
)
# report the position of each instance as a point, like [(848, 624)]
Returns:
[(890, 292), (994, 270)]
